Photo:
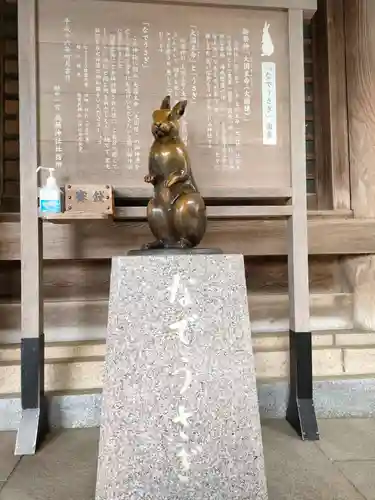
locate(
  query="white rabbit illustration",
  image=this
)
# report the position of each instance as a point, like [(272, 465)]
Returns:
[(267, 45)]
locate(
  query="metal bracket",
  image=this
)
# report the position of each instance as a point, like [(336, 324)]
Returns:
[(34, 418), (301, 412)]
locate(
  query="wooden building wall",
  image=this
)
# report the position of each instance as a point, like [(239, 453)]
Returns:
[(9, 175), (76, 282)]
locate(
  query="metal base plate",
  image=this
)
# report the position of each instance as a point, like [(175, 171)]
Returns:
[(301, 416), (27, 435), (34, 418), (32, 429)]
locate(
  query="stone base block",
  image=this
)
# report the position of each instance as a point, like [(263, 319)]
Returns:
[(180, 417)]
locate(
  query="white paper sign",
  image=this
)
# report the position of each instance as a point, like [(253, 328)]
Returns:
[(269, 111)]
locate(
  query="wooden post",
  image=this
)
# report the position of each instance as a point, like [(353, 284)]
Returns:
[(330, 109), (33, 423), (2, 111), (360, 56), (300, 411)]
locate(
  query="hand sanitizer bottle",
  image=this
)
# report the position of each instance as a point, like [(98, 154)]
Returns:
[(50, 195)]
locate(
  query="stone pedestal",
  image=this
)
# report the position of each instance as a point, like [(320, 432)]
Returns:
[(180, 416)]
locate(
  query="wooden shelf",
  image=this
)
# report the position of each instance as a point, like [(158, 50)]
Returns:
[(140, 213), (219, 192), (73, 216), (216, 212), (213, 212)]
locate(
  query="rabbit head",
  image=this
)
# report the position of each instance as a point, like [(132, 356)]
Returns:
[(165, 120)]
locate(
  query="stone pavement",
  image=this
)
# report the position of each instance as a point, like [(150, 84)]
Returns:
[(339, 467)]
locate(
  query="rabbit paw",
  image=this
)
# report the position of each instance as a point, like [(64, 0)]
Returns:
[(150, 179), (184, 243), (153, 245)]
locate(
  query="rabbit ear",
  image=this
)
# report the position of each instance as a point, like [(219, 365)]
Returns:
[(178, 110), (166, 104)]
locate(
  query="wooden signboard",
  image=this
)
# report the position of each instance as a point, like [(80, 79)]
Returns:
[(104, 67), (91, 72)]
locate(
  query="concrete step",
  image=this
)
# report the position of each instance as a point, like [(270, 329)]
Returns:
[(86, 320), (78, 366)]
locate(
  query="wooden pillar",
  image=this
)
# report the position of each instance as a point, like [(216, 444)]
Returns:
[(300, 410), (33, 423), (330, 110), (360, 62)]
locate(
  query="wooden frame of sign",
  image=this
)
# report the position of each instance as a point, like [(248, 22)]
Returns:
[(245, 131)]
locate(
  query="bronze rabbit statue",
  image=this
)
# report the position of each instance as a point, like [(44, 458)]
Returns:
[(176, 213)]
